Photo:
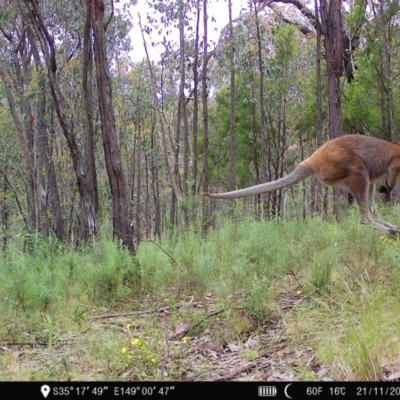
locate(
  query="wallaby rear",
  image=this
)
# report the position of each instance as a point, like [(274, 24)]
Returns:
[(354, 163)]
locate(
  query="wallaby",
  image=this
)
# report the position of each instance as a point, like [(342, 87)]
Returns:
[(354, 163)]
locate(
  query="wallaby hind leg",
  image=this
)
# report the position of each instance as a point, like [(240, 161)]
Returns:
[(362, 194), (374, 212), (385, 227), (387, 224)]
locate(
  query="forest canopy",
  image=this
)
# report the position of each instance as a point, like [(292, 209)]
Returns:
[(91, 138)]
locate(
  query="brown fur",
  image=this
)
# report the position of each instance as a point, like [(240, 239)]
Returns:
[(354, 163)]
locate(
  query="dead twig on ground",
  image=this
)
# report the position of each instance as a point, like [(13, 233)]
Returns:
[(143, 312), (166, 355)]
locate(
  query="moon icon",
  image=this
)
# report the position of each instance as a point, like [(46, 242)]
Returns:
[(286, 393)]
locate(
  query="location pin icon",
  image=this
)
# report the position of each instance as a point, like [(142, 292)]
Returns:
[(45, 389)]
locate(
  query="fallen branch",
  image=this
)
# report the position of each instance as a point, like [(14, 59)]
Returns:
[(244, 368), (128, 314), (159, 310), (24, 344)]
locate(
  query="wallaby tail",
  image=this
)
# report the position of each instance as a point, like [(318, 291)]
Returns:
[(300, 173)]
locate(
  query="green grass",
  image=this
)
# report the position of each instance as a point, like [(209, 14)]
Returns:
[(346, 276)]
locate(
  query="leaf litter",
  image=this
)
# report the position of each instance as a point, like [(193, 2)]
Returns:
[(265, 353)]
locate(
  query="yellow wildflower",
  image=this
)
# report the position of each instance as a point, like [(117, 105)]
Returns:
[(151, 359), (124, 350), (186, 339)]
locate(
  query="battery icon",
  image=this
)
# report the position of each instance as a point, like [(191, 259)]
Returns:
[(267, 391)]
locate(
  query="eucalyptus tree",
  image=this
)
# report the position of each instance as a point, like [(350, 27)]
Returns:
[(195, 99), (26, 92), (232, 151), (13, 176), (50, 46), (122, 226), (204, 94), (46, 34)]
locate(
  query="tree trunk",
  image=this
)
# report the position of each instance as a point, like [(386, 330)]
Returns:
[(255, 154), (319, 199), (87, 90), (232, 150), (155, 188), (176, 147), (332, 24), (332, 27), (388, 73), (121, 219), (206, 210), (49, 193), (4, 213), (195, 100), (138, 171), (182, 117), (52, 193), (31, 194), (264, 144)]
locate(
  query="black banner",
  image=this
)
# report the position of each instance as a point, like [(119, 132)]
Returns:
[(186, 390)]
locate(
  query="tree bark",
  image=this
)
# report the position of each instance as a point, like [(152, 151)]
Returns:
[(138, 171), (195, 100), (332, 26), (121, 219), (204, 94), (388, 73), (332, 22), (31, 195), (155, 186), (319, 199), (182, 115), (264, 145), (52, 193), (232, 150), (4, 213), (87, 90)]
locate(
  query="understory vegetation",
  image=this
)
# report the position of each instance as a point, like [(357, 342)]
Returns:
[(97, 312), (116, 116)]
